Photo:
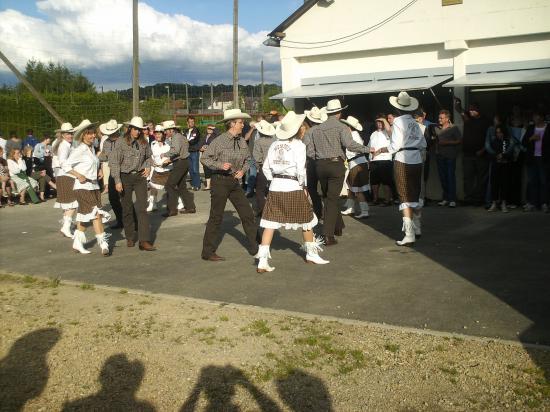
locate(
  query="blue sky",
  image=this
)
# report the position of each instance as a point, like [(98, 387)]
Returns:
[(180, 40)]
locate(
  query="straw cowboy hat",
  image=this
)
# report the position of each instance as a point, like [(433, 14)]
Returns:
[(334, 106), (265, 128), (404, 102), (233, 114), (170, 124), (353, 123), (84, 125), (66, 128), (110, 127), (136, 122), (317, 115), (289, 125), (159, 128)]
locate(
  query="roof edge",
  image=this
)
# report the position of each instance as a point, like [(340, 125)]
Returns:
[(290, 20)]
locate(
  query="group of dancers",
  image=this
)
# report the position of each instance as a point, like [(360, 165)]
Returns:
[(289, 163)]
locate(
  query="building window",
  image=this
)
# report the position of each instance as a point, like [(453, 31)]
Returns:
[(450, 2)]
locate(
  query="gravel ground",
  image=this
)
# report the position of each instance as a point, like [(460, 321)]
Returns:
[(84, 347)]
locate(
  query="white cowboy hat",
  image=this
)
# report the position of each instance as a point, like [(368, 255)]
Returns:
[(334, 106), (136, 122), (170, 124), (289, 125), (66, 128), (109, 128), (233, 114), (84, 125), (265, 128), (353, 123), (404, 102), (159, 128), (317, 115)]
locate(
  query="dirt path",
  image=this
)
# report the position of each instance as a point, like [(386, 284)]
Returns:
[(68, 346)]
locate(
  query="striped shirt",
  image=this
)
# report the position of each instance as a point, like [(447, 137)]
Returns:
[(179, 147), (328, 140), (227, 148), (126, 158)]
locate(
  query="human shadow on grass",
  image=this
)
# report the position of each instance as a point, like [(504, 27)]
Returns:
[(302, 392), (24, 372), (120, 380)]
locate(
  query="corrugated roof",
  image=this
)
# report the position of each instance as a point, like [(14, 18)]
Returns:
[(308, 4)]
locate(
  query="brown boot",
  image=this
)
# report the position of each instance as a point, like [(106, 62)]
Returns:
[(130, 243), (330, 240), (188, 211), (146, 246), (213, 258)]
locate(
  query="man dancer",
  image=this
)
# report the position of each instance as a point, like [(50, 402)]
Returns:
[(326, 145), (176, 186), (228, 158), (193, 137)]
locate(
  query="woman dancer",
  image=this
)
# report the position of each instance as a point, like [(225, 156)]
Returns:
[(66, 199), (287, 204), (83, 164), (161, 169)]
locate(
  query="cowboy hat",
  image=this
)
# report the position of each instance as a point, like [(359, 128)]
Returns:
[(233, 114), (353, 123), (170, 124), (317, 115), (66, 128), (265, 128), (334, 106), (84, 125), (109, 128), (136, 122), (159, 128), (404, 102), (289, 125)]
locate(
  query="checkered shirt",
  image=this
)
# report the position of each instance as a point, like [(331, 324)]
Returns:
[(126, 159), (329, 140), (227, 148)]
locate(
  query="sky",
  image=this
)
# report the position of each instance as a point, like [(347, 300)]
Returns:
[(180, 40)]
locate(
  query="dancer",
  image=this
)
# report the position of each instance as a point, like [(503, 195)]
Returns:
[(161, 169), (287, 205), (266, 137), (407, 143), (211, 134), (358, 177), (111, 130), (83, 164), (228, 157), (130, 164)]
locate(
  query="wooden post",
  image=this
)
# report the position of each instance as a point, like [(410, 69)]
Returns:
[(135, 77), (235, 54)]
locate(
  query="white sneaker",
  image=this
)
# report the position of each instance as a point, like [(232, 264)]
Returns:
[(528, 207), (180, 203), (545, 208), (364, 210), (408, 228), (443, 203), (493, 207), (79, 239), (504, 208), (263, 255), (452, 204), (350, 205), (312, 253)]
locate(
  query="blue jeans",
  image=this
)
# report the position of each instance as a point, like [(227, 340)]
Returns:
[(447, 176), (251, 176), (194, 169), (537, 194)]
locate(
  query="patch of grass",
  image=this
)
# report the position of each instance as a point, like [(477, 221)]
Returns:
[(224, 318), (205, 330), (29, 279), (448, 371), (54, 282), (391, 347), (145, 302), (440, 348), (87, 286), (257, 328), (119, 308), (420, 352), (122, 291)]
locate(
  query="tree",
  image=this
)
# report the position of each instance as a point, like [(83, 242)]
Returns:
[(56, 78)]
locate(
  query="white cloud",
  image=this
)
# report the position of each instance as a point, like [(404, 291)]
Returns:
[(96, 37)]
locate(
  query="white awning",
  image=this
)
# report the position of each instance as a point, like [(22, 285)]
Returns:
[(362, 87), (503, 78)]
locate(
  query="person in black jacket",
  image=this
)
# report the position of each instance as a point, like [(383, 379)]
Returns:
[(211, 134), (193, 136)]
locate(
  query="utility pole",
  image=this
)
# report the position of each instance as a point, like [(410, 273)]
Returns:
[(187, 99), (211, 96), (235, 54), (135, 78), (262, 91), (153, 92), (31, 88)]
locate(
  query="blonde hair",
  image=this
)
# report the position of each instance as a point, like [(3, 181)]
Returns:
[(27, 149), (12, 151)]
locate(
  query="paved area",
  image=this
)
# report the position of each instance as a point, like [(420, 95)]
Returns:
[(472, 272)]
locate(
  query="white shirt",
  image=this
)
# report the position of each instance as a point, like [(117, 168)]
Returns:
[(407, 134), (158, 150), (84, 161), (378, 140), (286, 158), (63, 152), (3, 146), (16, 167), (349, 154)]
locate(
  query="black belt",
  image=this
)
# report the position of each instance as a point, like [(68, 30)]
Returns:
[(285, 177), (221, 173), (332, 159), (132, 173), (408, 148), (357, 157)]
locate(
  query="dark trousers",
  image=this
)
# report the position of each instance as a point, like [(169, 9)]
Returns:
[(114, 200), (223, 188), (312, 184), (537, 183), (177, 187), (500, 181), (447, 177), (331, 177), (262, 190), (135, 183), (43, 181), (194, 169), (516, 182), (476, 173)]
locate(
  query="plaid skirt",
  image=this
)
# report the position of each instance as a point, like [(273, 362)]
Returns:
[(358, 178), (89, 206), (159, 179), (66, 198), (408, 181), (291, 210)]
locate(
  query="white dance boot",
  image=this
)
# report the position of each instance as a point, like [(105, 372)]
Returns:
[(312, 253), (66, 227), (350, 207), (151, 203), (417, 221), (263, 255), (364, 213), (180, 204), (103, 244), (408, 228), (79, 239)]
